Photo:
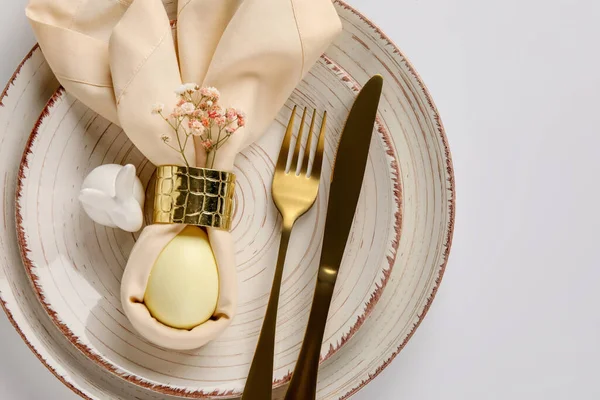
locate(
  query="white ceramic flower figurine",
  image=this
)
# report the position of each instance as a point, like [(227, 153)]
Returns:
[(112, 195)]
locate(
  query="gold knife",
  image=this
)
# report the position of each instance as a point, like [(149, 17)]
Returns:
[(349, 171)]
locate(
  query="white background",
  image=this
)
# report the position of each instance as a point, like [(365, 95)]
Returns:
[(517, 316)]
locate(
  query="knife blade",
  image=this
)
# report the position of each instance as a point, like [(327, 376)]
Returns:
[(347, 178)]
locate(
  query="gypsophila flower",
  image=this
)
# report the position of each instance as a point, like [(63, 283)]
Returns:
[(181, 90), (197, 128), (213, 114), (177, 112), (191, 87), (221, 121), (158, 108), (231, 114), (210, 92), (197, 114), (241, 120), (188, 108), (207, 144)]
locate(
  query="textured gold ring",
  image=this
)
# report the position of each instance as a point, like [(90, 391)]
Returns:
[(194, 196)]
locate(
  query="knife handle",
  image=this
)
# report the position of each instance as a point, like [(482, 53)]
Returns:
[(303, 385)]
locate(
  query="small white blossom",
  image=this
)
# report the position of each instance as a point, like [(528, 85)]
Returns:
[(177, 112), (191, 87), (198, 132), (181, 90), (211, 93), (188, 108), (158, 108), (197, 128)]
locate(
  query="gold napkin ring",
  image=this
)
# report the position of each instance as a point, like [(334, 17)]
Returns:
[(194, 196)]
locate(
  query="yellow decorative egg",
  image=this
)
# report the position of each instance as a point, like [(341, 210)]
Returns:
[(183, 287)]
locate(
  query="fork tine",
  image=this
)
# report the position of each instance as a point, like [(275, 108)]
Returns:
[(318, 163), (285, 146), (296, 158), (307, 150)]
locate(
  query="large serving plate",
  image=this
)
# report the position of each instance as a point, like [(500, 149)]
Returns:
[(95, 351)]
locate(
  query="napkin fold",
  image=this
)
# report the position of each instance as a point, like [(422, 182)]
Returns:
[(121, 57)]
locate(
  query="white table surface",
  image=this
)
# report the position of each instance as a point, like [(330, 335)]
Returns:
[(517, 83)]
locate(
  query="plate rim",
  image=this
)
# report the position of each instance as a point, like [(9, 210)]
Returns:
[(3, 303), (451, 207), (451, 187)]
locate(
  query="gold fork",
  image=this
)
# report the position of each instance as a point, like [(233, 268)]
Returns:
[(294, 193)]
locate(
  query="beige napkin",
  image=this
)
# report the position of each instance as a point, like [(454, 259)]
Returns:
[(119, 58)]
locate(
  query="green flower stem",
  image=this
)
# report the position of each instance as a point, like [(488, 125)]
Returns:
[(171, 147), (216, 148), (222, 142), (167, 120), (182, 148)]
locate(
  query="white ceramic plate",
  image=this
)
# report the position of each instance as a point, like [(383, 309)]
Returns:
[(76, 265), (410, 133)]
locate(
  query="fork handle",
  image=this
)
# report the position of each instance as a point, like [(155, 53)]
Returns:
[(260, 379), (304, 379)]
